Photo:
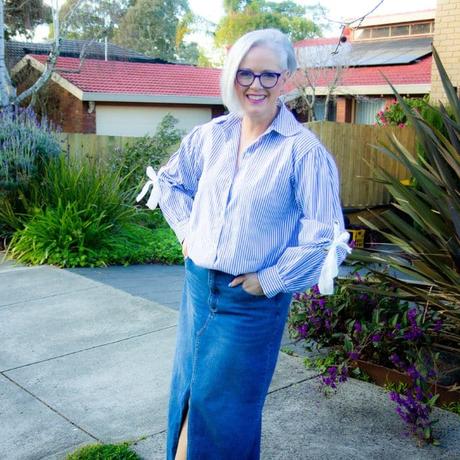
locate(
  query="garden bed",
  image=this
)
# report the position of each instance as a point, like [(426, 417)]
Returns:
[(383, 376)]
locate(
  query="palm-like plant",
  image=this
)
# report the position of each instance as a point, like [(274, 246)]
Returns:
[(426, 222)]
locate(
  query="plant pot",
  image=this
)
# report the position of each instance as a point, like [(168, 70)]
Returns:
[(383, 375)]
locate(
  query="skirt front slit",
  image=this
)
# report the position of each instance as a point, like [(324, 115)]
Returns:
[(226, 351)]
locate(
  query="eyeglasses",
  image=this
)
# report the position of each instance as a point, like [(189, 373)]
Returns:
[(267, 79)]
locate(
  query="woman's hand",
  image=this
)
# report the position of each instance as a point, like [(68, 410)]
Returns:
[(184, 249), (250, 283)]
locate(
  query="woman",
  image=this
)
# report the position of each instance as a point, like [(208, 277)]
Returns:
[(253, 197)]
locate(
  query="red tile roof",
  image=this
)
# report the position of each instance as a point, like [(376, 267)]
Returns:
[(118, 77), (405, 74)]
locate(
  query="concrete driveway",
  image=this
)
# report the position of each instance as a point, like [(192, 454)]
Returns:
[(86, 356)]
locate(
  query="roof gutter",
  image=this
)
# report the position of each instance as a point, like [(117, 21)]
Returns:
[(151, 98), (366, 90)]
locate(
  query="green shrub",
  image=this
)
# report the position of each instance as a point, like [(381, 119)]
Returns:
[(90, 186), (25, 146), (151, 219), (63, 237), (71, 215), (166, 247), (133, 160), (135, 244), (104, 452)]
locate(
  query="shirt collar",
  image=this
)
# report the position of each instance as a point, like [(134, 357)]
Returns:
[(284, 123)]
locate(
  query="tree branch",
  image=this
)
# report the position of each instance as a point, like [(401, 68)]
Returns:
[(52, 57)]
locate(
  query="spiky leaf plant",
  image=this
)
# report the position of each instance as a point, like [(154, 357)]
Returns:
[(426, 222)]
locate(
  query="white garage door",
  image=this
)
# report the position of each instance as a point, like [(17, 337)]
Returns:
[(138, 121)]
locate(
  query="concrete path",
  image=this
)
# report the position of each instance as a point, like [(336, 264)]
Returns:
[(86, 356)]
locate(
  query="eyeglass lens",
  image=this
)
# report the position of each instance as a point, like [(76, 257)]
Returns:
[(266, 79)]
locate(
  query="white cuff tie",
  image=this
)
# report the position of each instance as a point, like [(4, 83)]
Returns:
[(154, 198), (330, 267)]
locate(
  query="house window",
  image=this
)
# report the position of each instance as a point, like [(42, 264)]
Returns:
[(380, 32), (367, 109), (364, 33), (399, 30), (319, 110), (423, 28)]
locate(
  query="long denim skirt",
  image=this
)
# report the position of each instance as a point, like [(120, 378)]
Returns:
[(226, 351)]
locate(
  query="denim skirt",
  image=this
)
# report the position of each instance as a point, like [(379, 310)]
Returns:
[(226, 351)]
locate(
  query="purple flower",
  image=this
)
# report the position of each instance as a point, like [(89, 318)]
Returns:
[(397, 361), (303, 330), (353, 355), (357, 327), (414, 333), (411, 315), (437, 325), (376, 337), (414, 374), (343, 374)]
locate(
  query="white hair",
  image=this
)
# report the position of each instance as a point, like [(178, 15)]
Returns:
[(271, 38)]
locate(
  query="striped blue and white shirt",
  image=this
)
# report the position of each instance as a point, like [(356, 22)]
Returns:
[(273, 215)]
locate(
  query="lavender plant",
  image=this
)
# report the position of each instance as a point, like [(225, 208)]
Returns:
[(26, 144), (25, 141)]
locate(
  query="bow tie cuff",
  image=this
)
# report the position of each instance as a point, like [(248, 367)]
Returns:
[(154, 184), (330, 268)]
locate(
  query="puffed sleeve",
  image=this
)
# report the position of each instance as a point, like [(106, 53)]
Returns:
[(316, 189), (178, 182)]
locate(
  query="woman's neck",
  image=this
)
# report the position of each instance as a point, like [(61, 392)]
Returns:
[(254, 127)]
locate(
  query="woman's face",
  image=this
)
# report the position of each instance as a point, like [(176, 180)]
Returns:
[(256, 101)]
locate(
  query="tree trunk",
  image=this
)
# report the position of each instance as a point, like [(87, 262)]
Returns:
[(7, 91), (326, 106)]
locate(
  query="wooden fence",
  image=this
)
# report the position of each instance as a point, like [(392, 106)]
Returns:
[(350, 144), (93, 145)]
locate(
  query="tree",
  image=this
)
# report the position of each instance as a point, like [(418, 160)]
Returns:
[(319, 66), (152, 27), (94, 18), (7, 90), (21, 17), (244, 16)]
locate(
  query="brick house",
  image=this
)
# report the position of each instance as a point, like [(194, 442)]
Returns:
[(124, 98), (447, 43), (397, 47)]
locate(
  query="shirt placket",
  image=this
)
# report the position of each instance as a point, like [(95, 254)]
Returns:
[(217, 223), (233, 189)]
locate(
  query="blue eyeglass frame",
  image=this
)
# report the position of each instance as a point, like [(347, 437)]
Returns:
[(258, 75)]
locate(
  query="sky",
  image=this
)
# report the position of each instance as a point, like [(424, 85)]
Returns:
[(339, 10)]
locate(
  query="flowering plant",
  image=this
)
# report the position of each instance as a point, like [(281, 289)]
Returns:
[(365, 322), (394, 115)]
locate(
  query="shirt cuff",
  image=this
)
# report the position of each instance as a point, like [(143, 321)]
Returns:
[(270, 281), (181, 230)]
